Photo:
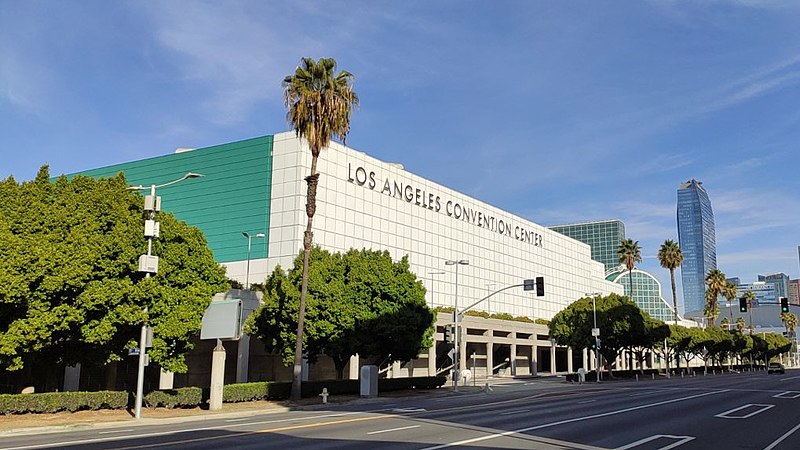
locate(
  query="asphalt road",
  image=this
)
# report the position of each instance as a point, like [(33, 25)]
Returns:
[(750, 410)]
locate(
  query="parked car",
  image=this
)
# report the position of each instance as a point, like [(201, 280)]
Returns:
[(774, 367)]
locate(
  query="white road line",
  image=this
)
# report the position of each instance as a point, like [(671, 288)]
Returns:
[(789, 378), (518, 411), (787, 394), (683, 440), (393, 429), (586, 401), (643, 393), (780, 439), (115, 431), (724, 415), (237, 420), (576, 419)]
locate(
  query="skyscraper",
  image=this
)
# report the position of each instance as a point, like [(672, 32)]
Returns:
[(697, 240)]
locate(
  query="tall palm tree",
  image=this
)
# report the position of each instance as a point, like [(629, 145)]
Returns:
[(715, 285), (730, 291), (670, 257), (789, 321), (629, 254), (749, 296), (740, 324), (319, 104)]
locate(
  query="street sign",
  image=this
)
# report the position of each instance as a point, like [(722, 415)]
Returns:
[(528, 285), (595, 332)]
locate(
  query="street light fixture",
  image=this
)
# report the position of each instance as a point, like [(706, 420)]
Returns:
[(595, 334), (249, 241), (456, 361), (149, 265)]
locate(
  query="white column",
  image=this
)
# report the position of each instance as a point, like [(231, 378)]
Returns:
[(432, 360), (512, 358), (166, 379), (217, 377), (355, 363), (552, 357), (395, 372), (489, 358), (569, 360)]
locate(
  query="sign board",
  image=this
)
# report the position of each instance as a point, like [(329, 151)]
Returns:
[(222, 320), (595, 332)]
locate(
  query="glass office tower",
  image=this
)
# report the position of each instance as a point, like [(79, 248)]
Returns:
[(604, 236), (698, 244)]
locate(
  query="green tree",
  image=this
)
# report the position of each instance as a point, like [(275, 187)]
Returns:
[(629, 254), (654, 333), (740, 324), (69, 287), (730, 291), (715, 286), (320, 103), (789, 321), (670, 257), (620, 321), (360, 302), (750, 297)]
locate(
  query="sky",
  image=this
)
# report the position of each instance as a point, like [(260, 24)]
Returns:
[(559, 112)]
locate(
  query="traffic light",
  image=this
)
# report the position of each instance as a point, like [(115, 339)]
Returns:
[(448, 333), (539, 286), (593, 345), (742, 304), (784, 304)]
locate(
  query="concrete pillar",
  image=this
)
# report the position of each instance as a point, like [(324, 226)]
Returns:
[(535, 358), (513, 359), (585, 355), (462, 353), (395, 372), (569, 360), (72, 378), (243, 359), (553, 357), (432, 360), (489, 358), (355, 367), (217, 377), (166, 379)]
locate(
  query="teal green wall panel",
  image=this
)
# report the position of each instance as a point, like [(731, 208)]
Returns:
[(232, 197)]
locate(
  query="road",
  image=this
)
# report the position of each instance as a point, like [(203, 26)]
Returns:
[(750, 410)]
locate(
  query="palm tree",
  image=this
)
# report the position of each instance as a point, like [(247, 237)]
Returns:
[(789, 321), (715, 282), (670, 257), (749, 296), (629, 254), (729, 292), (319, 104), (740, 324)]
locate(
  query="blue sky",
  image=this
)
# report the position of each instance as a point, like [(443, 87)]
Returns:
[(556, 111)]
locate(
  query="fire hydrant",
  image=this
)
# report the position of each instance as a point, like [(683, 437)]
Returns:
[(324, 395)]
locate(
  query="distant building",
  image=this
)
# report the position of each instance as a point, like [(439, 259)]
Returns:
[(765, 292), (779, 280), (696, 237), (794, 292), (603, 236)]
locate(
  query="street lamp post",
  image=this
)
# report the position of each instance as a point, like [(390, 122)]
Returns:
[(596, 335), (456, 360), (249, 241), (149, 264)]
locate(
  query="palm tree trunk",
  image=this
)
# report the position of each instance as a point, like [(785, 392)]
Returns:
[(308, 236), (674, 294), (630, 282)]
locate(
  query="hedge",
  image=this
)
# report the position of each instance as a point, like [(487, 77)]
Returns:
[(51, 402), (191, 397)]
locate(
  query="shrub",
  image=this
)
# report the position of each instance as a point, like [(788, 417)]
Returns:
[(265, 390), (50, 402), (188, 397)]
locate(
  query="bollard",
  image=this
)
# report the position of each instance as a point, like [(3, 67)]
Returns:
[(324, 395), (653, 375), (637, 377)]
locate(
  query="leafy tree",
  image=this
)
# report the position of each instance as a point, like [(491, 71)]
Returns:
[(629, 254), (750, 297), (678, 340), (715, 286), (740, 324), (789, 321), (319, 103), (361, 303), (670, 257), (653, 335), (621, 325), (69, 287)]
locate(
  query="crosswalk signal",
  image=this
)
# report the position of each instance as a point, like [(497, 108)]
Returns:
[(784, 305), (742, 304)]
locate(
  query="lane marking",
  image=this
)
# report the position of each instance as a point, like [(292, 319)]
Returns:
[(763, 407), (789, 378), (787, 394), (237, 420), (573, 420), (394, 429), (586, 401), (638, 394), (518, 411), (408, 410), (780, 439), (681, 440), (115, 431)]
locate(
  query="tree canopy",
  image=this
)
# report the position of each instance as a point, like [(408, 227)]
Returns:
[(69, 287), (361, 302)]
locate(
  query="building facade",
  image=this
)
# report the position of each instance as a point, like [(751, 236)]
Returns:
[(603, 237), (696, 237), (794, 292), (646, 293), (780, 281)]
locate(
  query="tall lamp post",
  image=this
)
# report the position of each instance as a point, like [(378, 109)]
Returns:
[(149, 265), (249, 241), (456, 359), (596, 335)]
